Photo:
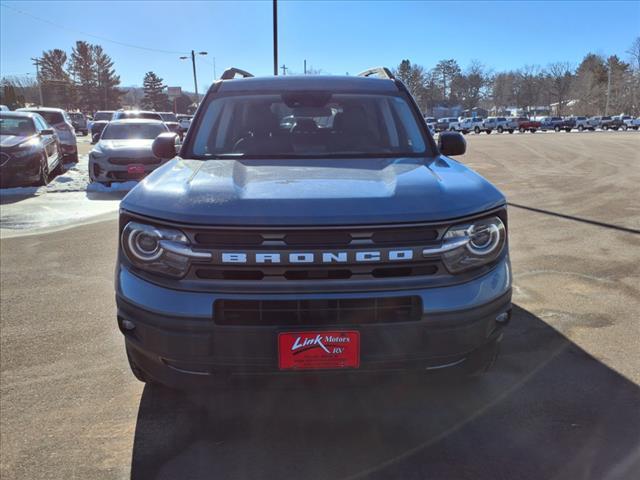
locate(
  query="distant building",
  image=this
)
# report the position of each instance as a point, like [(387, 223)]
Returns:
[(476, 112)]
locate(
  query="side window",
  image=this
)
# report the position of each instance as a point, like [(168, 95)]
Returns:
[(41, 124)]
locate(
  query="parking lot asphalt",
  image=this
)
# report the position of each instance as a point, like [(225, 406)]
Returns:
[(562, 401)]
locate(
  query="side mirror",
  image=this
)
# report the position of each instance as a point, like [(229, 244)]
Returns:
[(451, 143), (165, 146), (95, 138), (47, 131)]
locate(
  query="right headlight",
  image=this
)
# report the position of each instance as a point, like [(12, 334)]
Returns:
[(471, 245), (160, 250)]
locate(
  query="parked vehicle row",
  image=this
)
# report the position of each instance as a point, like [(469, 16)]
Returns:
[(523, 124)]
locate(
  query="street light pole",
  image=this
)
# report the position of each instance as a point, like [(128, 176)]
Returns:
[(193, 63), (195, 78), (275, 37)]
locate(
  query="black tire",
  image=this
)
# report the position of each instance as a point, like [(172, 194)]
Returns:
[(521, 130), (511, 130), (476, 130), (533, 130), (604, 127), (567, 130), (580, 128), (500, 129), (488, 132), (556, 128), (624, 127), (59, 170), (452, 129), (43, 178)]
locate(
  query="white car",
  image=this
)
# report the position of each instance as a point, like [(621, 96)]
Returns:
[(61, 123), (500, 124), (635, 123)]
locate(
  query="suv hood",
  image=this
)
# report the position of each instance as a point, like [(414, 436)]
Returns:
[(312, 192)]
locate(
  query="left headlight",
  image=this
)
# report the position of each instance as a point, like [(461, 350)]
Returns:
[(471, 245), (160, 250)]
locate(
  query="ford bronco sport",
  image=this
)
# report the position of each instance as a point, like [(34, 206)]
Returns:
[(345, 240)]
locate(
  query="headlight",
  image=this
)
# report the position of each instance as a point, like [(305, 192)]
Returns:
[(159, 250), (471, 245)]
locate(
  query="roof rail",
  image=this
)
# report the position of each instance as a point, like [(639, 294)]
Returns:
[(380, 72), (231, 73)]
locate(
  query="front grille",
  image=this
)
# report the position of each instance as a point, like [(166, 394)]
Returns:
[(314, 241), (305, 239), (326, 312), (129, 161)]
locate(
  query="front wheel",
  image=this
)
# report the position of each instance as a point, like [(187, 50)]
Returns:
[(521, 130), (557, 129), (500, 130), (511, 130), (580, 128), (624, 128), (533, 130), (476, 130), (488, 132), (604, 127), (567, 130), (43, 177)]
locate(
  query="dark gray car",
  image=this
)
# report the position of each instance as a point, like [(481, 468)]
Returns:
[(344, 239)]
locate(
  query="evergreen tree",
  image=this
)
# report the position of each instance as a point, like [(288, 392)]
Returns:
[(154, 98), (84, 71), (57, 88), (109, 96)]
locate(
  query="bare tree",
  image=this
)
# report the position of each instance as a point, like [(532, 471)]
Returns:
[(559, 77)]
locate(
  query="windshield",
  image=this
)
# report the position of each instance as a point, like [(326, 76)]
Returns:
[(308, 124), (16, 126), (52, 118), (169, 117), (147, 115), (133, 131), (103, 116)]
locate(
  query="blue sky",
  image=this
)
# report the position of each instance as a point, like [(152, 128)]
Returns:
[(336, 37)]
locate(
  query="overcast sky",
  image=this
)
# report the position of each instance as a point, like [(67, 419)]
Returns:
[(335, 37)]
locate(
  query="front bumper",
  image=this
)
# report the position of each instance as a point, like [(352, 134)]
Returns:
[(20, 171), (176, 341), (102, 170)]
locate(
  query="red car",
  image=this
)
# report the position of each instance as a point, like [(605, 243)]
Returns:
[(525, 124)]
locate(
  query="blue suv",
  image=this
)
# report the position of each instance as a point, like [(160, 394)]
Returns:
[(310, 225)]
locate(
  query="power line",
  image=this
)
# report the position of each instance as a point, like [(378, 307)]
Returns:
[(104, 39)]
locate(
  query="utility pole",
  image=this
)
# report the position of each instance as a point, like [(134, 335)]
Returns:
[(284, 69), (606, 107), (275, 38), (305, 67), (36, 62)]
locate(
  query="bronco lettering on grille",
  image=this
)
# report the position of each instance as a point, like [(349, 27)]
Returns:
[(296, 258)]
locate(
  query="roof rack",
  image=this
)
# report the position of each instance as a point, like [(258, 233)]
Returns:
[(380, 72), (231, 73)]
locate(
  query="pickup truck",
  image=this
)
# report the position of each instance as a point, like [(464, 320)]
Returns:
[(525, 124), (348, 242), (579, 123), (499, 124), (471, 124), (556, 124), (613, 123), (627, 121)]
